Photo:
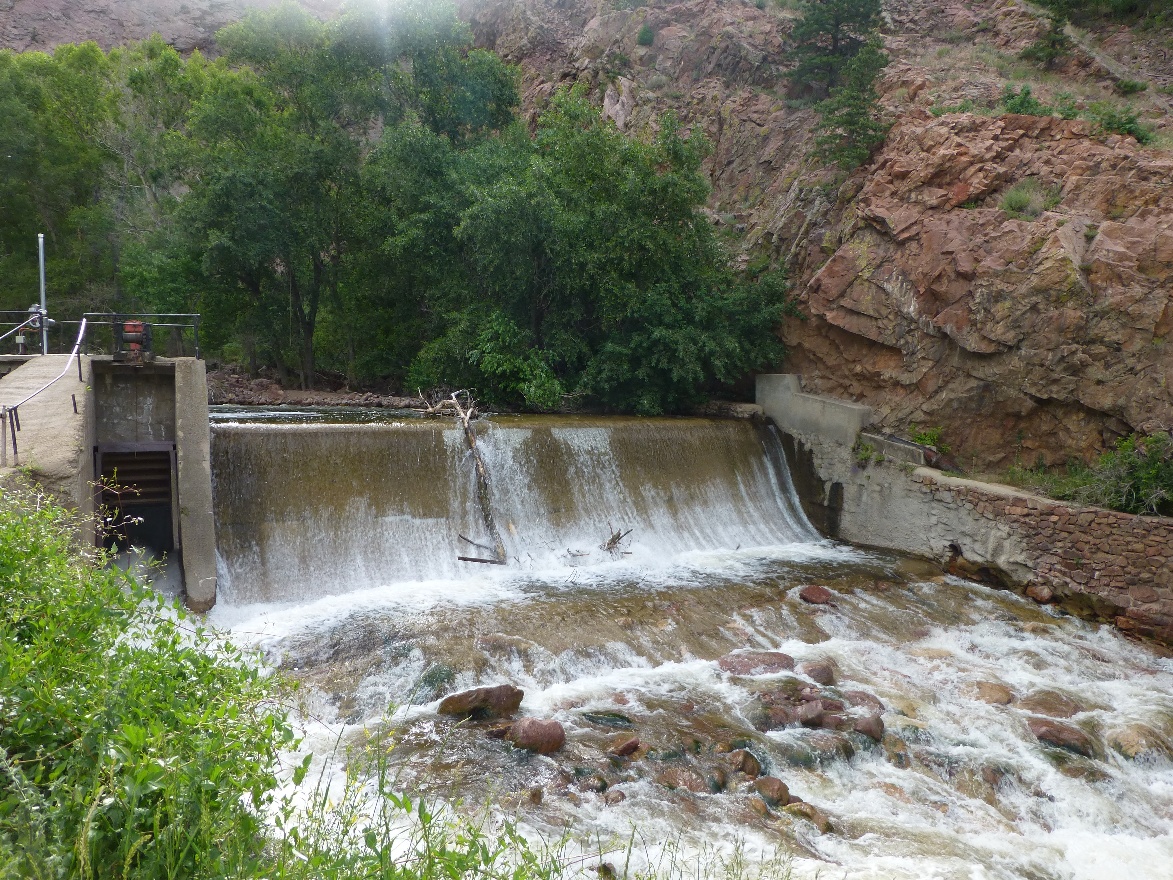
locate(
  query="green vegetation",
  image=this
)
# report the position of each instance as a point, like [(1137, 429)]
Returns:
[(1135, 477), (358, 199), (1130, 87), (1027, 199), (1052, 46), (838, 57), (646, 35), (1107, 116), (135, 744), (930, 437), (1154, 13), (827, 36), (851, 125)]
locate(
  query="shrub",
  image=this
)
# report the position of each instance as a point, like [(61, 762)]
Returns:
[(646, 36), (930, 437), (1119, 120), (1023, 102), (1050, 47), (1136, 477), (1028, 199), (1130, 86)]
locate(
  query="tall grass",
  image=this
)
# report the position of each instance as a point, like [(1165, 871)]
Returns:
[(136, 743)]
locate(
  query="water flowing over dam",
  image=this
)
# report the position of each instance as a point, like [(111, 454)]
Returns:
[(339, 537), (309, 509)]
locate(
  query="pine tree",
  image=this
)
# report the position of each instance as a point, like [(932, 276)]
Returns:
[(851, 126), (829, 34)]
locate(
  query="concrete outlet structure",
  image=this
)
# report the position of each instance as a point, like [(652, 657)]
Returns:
[(133, 439)]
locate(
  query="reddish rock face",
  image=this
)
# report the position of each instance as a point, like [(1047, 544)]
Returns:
[(537, 735), (482, 703), (756, 662), (1020, 337)]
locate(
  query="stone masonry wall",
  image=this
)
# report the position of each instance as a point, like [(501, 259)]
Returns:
[(1121, 565)]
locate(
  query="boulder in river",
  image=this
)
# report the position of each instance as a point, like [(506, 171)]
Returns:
[(864, 699), (744, 760), (773, 790), (624, 746), (1138, 740), (870, 726), (682, 777), (483, 702), (821, 671), (992, 692), (756, 662), (537, 735), (816, 595), (812, 814), (1050, 703), (1063, 736)]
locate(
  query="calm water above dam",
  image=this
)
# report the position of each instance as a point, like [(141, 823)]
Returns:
[(338, 551)]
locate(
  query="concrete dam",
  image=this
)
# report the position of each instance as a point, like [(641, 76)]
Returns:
[(723, 601)]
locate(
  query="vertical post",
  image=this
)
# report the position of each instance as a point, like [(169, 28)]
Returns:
[(44, 323), (3, 436)]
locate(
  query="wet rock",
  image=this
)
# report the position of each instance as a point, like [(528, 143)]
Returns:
[(834, 721), (772, 790), (990, 692), (871, 726), (795, 799), (608, 719), (756, 662), (595, 782), (744, 760), (1138, 741), (1063, 736), (717, 778), (832, 705), (865, 700), (535, 795), (498, 731), (810, 714), (816, 595), (624, 746), (1050, 703), (1041, 593), (774, 717), (821, 671), (827, 745), (682, 777), (483, 702), (812, 814), (537, 735), (759, 806), (613, 797)]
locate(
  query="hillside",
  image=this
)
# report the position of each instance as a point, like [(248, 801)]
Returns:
[(1027, 335)]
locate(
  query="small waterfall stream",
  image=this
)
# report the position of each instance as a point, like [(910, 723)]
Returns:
[(338, 545)]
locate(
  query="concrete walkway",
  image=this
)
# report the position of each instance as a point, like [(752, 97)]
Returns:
[(54, 441)]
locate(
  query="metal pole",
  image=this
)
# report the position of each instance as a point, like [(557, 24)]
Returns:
[(44, 323)]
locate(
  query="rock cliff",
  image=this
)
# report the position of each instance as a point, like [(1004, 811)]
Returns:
[(1039, 335)]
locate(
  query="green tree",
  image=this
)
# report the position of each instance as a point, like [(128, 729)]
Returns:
[(851, 125), (1051, 46), (827, 37)]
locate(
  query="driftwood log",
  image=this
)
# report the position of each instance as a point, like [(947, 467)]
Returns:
[(466, 413)]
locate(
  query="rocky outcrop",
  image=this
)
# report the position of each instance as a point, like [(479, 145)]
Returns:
[(1023, 338)]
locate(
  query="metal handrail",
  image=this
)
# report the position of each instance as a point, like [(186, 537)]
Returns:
[(10, 416), (27, 323), (117, 317)]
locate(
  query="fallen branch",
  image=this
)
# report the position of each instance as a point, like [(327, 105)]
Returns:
[(466, 414), (611, 545)]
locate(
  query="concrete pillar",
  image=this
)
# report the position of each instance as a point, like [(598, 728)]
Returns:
[(197, 531)]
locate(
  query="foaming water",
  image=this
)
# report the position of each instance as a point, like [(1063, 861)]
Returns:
[(959, 787), (310, 509)]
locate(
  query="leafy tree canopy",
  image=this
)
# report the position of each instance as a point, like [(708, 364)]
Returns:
[(827, 37)]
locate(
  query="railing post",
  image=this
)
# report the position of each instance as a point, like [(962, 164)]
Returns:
[(196, 326), (3, 436)]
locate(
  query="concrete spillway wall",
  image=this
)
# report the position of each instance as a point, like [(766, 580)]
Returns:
[(103, 410), (871, 490)]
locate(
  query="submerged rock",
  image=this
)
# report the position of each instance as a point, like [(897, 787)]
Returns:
[(1137, 741), (1050, 703), (864, 699), (991, 692), (537, 735), (483, 702), (682, 777), (756, 662), (812, 814), (609, 719), (1063, 736)]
